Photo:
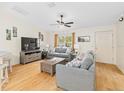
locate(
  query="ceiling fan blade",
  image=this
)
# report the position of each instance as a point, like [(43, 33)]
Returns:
[(58, 21), (67, 25), (53, 24), (70, 23)]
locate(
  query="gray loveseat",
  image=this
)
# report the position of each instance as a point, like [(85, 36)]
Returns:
[(60, 52), (76, 79)]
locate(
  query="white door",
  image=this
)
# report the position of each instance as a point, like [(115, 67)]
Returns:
[(104, 50)]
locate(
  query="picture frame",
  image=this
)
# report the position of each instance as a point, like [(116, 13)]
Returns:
[(41, 37), (14, 31), (84, 39), (8, 34)]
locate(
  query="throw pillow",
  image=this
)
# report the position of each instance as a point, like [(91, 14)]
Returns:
[(90, 52), (88, 56), (74, 63), (68, 50), (86, 63), (80, 56)]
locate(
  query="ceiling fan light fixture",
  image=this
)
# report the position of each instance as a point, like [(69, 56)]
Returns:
[(62, 24)]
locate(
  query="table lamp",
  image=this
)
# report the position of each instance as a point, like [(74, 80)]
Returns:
[(76, 48)]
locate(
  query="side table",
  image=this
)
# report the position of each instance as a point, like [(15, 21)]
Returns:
[(73, 55), (44, 54)]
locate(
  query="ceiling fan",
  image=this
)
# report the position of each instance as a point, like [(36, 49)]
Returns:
[(60, 22)]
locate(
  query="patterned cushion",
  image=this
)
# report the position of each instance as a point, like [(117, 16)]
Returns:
[(74, 63), (80, 56), (82, 61)]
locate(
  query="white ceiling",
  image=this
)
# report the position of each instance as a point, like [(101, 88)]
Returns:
[(83, 14)]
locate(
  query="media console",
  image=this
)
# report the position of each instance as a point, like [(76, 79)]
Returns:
[(29, 56)]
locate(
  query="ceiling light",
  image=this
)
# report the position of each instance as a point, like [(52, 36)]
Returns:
[(121, 19)]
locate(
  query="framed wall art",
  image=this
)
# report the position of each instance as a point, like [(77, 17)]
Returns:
[(14, 31), (41, 37), (84, 39), (8, 34)]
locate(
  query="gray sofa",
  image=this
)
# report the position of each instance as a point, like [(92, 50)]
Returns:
[(75, 79), (60, 52)]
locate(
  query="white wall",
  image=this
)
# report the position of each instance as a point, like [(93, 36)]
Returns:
[(120, 45), (84, 46), (25, 29)]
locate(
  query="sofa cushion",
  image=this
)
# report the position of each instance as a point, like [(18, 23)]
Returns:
[(74, 63), (60, 50), (86, 62), (64, 55), (55, 54)]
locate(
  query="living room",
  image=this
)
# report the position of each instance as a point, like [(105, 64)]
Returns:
[(45, 44)]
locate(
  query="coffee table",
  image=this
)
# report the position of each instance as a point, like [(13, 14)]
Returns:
[(49, 65)]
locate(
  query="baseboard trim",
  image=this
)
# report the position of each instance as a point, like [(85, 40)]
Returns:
[(15, 65), (122, 70), (105, 63)]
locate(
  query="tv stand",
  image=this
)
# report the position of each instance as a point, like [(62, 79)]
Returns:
[(29, 56)]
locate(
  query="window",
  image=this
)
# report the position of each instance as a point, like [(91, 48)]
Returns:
[(65, 40), (61, 41), (69, 41)]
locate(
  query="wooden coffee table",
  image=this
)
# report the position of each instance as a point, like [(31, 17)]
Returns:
[(49, 65)]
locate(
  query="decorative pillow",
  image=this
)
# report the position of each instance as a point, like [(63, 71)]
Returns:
[(88, 56), (80, 56), (87, 62), (74, 63), (68, 50), (90, 52)]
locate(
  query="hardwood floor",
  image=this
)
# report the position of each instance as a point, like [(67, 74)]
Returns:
[(109, 77), (29, 77)]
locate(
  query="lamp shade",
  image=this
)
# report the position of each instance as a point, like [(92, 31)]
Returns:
[(47, 45), (76, 46)]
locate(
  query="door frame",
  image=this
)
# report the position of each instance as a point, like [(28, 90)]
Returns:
[(112, 43)]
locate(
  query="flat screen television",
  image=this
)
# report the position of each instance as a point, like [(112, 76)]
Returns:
[(28, 44)]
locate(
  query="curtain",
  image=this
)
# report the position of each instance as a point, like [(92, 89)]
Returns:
[(73, 40), (55, 40)]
